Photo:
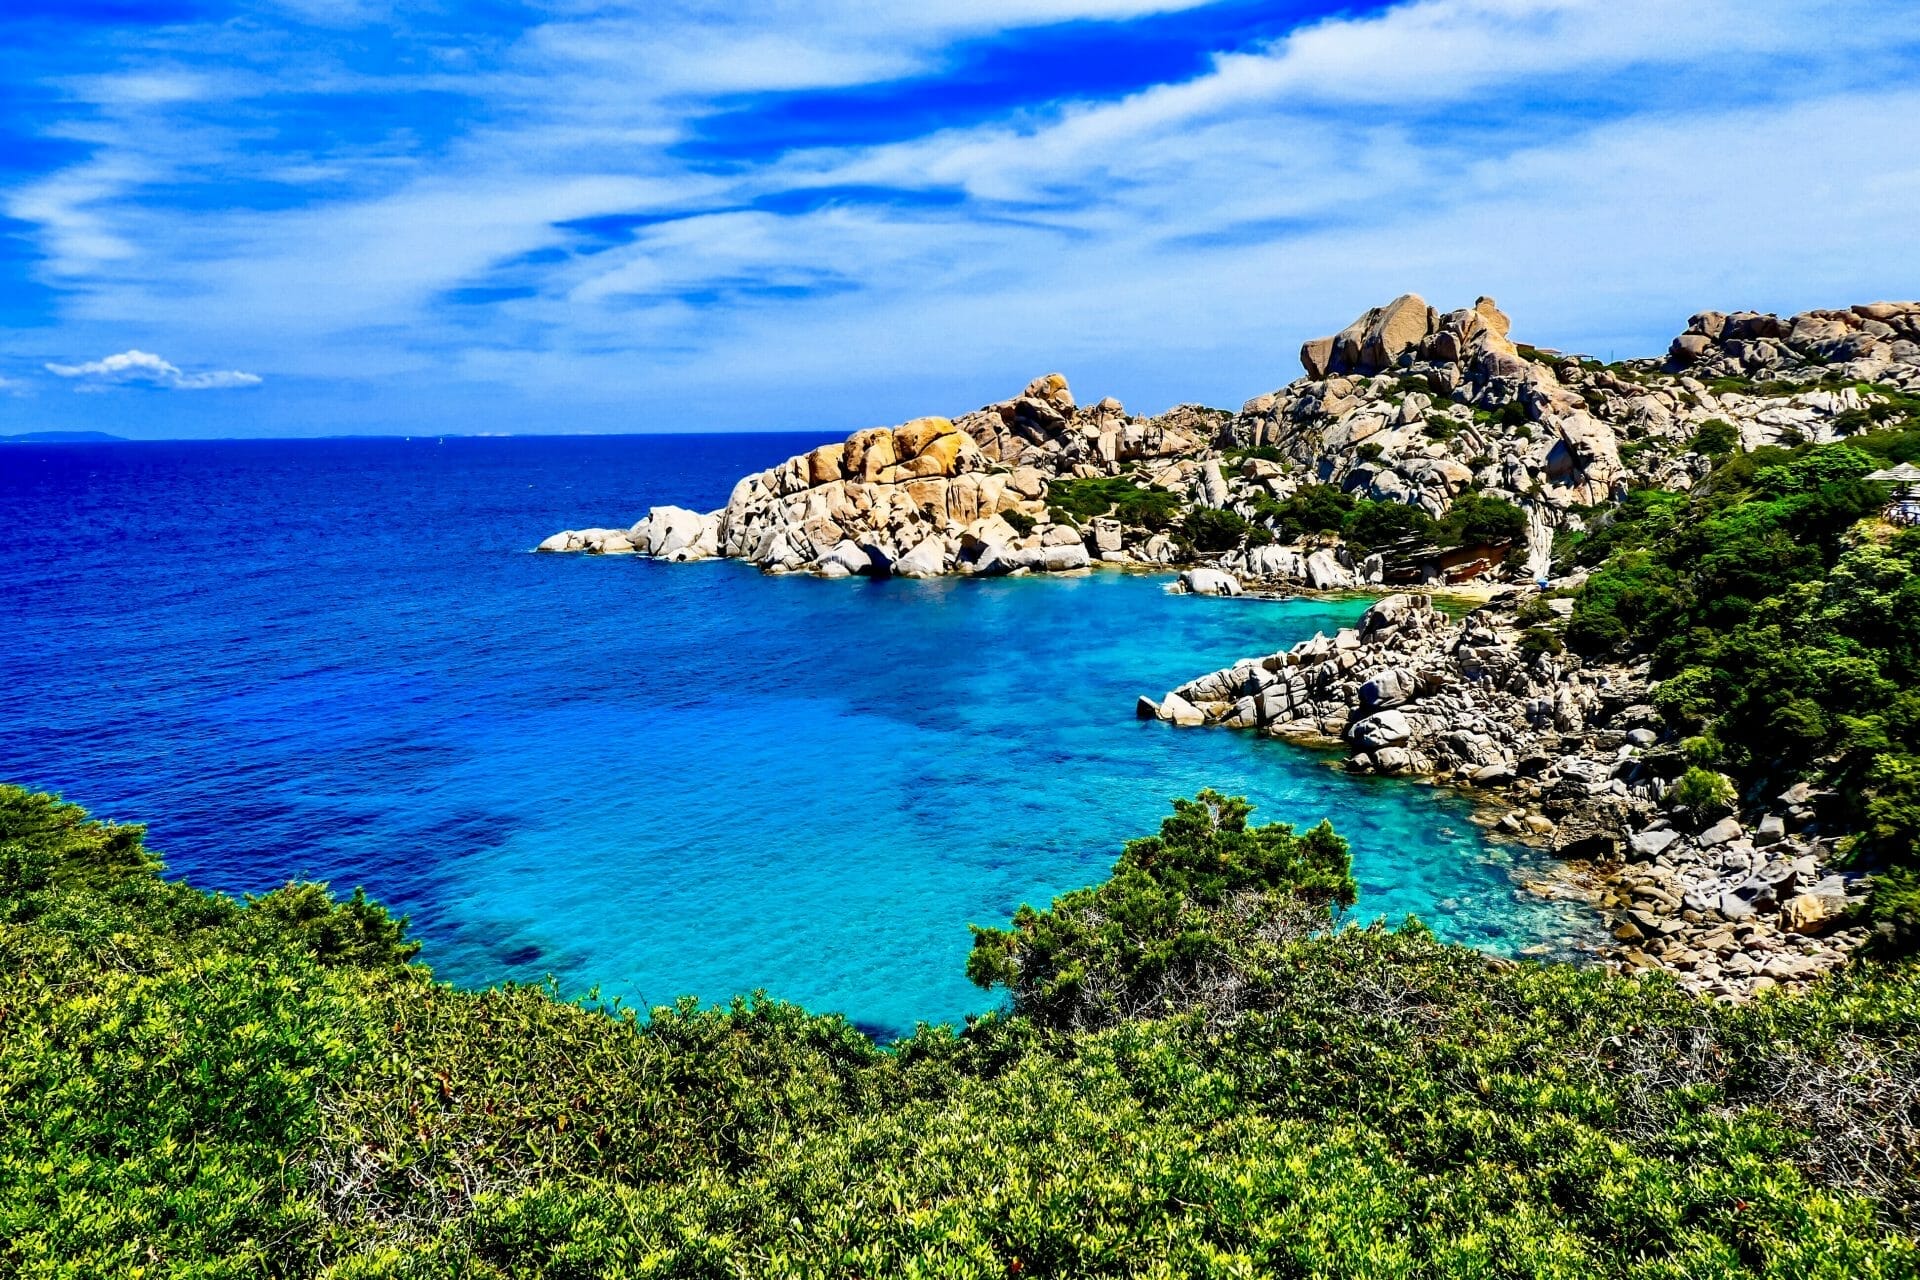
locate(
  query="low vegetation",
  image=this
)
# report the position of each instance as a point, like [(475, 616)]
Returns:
[(1784, 621), (1198, 1077), (1127, 498)]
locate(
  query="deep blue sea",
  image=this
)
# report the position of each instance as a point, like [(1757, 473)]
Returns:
[(337, 659)]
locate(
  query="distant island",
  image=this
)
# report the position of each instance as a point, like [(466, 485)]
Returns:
[(60, 437)]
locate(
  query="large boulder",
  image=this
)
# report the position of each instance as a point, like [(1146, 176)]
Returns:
[(667, 531), (848, 557), (1815, 912), (1324, 571), (927, 560), (1383, 729), (1177, 710), (1401, 326), (1210, 582)]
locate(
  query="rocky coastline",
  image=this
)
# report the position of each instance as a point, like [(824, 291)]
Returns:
[(1425, 409), (1405, 405), (1567, 756)]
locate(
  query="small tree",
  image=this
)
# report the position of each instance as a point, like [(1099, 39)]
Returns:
[(1701, 792), (1181, 909)]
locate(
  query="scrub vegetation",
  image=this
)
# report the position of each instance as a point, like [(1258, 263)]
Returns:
[(1784, 623), (1199, 1075)]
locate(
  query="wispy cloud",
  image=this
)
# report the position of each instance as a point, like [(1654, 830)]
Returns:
[(146, 369), (544, 211)]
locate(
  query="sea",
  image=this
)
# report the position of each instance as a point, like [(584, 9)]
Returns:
[(340, 660)]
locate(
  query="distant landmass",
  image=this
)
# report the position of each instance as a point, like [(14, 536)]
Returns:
[(59, 437)]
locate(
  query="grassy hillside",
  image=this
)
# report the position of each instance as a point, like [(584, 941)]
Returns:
[(1195, 1079)]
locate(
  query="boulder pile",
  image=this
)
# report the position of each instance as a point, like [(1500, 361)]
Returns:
[(1872, 342), (1568, 756), (1407, 404)]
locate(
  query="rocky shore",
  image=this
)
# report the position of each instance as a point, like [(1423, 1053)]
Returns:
[(1570, 757), (1407, 404), (1429, 410)]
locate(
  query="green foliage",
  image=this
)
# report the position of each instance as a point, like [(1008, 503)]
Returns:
[(1535, 641), (1702, 792), (1020, 522), (1512, 416), (1156, 924), (1716, 438), (1264, 452), (187, 1089), (1215, 528), (1125, 497), (1371, 524), (1782, 627), (1475, 518), (1312, 508)]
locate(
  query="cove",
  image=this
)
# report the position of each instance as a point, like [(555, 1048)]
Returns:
[(337, 659)]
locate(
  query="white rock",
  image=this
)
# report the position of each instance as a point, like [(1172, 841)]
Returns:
[(1210, 582), (1387, 729), (1177, 710), (847, 557), (927, 560)]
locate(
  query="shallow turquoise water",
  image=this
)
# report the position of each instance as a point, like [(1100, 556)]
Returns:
[(654, 779)]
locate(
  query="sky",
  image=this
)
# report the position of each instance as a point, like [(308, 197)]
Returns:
[(308, 217)]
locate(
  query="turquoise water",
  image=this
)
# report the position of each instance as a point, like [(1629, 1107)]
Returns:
[(653, 779)]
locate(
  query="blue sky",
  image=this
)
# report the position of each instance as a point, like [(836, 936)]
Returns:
[(289, 217)]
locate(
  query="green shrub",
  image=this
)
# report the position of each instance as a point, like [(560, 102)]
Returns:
[(187, 1089), (1538, 640), (1371, 524), (1312, 508), (1021, 523), (1215, 529), (1715, 438), (1156, 925), (1702, 791), (1125, 497), (1474, 518)]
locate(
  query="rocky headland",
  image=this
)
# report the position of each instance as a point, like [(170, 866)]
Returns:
[(1406, 405), (1569, 756)]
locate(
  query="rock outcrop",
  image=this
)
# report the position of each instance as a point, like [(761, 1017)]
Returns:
[(1407, 404), (1871, 342), (1577, 761)]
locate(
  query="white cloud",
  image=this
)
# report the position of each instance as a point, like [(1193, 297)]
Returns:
[(1603, 166), (138, 366)]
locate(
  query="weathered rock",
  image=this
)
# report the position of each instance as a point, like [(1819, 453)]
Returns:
[(1813, 913), (848, 557), (926, 560), (1177, 710), (1385, 729), (1210, 582)]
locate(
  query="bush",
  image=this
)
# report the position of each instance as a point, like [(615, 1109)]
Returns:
[(1155, 932), (1715, 438), (1215, 529), (1475, 518), (1702, 792), (1021, 523), (185, 1089), (1076, 501), (1538, 640), (1312, 508), (1371, 524)]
